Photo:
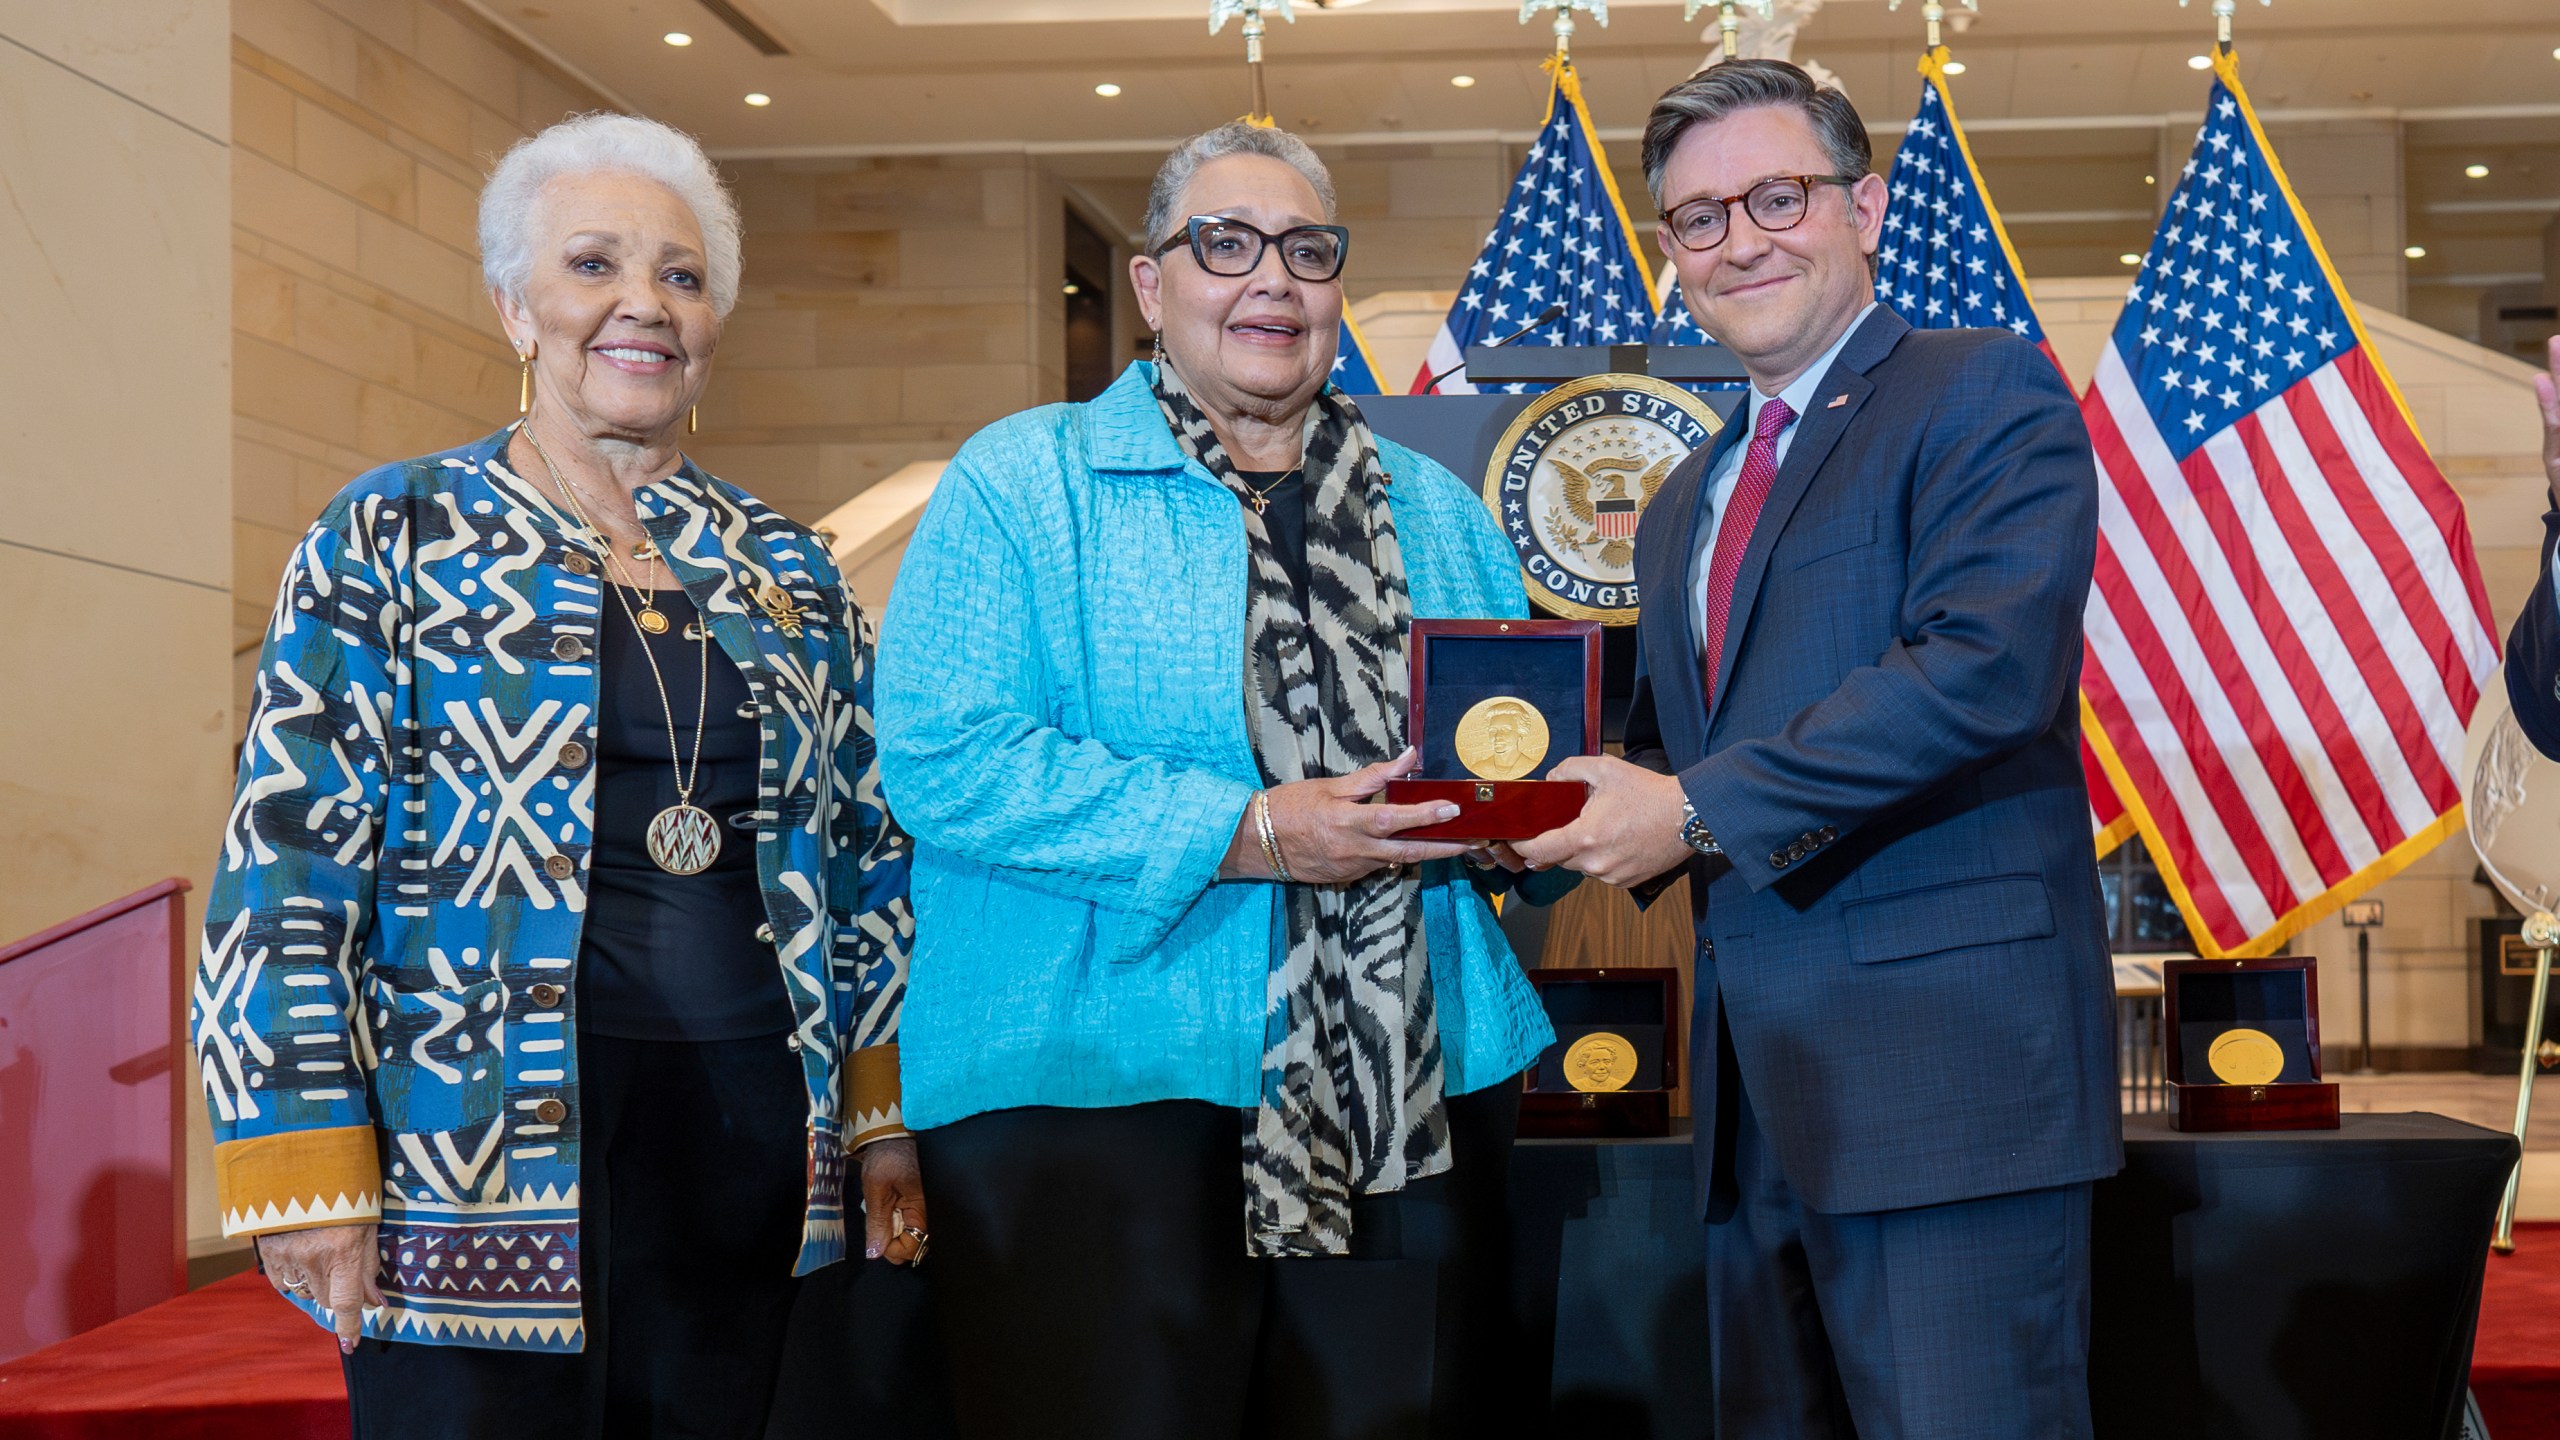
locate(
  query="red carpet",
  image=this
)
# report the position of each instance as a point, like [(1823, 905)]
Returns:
[(232, 1362), (2515, 1364), (227, 1362)]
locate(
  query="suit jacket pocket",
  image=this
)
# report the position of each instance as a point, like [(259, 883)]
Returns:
[(1933, 918), (1830, 538), (439, 1086)]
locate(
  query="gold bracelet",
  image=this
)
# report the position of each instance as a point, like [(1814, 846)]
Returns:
[(1270, 839)]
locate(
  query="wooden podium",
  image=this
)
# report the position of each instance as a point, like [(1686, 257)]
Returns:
[(1595, 927)]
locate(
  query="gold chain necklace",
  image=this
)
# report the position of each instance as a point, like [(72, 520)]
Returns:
[(683, 839), (1260, 499)]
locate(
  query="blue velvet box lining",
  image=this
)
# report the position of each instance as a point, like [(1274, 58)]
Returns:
[(1545, 671)]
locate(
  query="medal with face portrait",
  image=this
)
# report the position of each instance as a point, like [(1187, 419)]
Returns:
[(1502, 738)]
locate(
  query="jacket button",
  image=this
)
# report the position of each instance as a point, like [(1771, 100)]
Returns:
[(545, 995), (794, 1041), (579, 564), (751, 711), (764, 933), (1826, 835), (550, 1112), (573, 755), (1779, 859), (559, 867), (569, 647)]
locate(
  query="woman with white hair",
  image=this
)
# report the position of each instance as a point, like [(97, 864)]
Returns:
[(1216, 1068), (551, 975)]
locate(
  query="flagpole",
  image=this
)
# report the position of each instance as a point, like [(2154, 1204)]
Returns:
[(1936, 14), (1729, 19), (1563, 27), (1250, 11), (2223, 10)]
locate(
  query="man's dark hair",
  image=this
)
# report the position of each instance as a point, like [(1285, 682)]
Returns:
[(1735, 85)]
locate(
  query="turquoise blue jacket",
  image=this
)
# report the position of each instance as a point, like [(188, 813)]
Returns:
[(1061, 708)]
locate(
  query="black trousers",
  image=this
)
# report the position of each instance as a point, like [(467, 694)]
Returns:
[(1963, 1321), (692, 1180), (1090, 1274)]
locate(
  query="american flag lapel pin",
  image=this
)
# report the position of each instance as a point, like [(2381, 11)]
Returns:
[(1836, 402)]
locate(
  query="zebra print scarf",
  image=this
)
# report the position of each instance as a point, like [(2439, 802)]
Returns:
[(1351, 1068)]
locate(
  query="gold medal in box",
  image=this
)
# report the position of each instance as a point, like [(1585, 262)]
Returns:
[(1502, 738), (1600, 1062)]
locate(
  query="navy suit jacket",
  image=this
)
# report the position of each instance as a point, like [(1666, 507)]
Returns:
[(2533, 651), (1907, 945)]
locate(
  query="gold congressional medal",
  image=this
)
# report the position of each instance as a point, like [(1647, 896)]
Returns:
[(1600, 1061), (1502, 738), (2245, 1057)]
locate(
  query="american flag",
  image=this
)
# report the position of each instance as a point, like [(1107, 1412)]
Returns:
[(1563, 237), (1355, 371), (1946, 261), (2288, 630)]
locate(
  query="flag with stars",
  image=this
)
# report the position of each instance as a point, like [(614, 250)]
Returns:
[(2287, 632), (1563, 238), (1945, 261), (1355, 370)]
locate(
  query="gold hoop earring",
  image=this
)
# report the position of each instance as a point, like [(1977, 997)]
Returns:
[(524, 383)]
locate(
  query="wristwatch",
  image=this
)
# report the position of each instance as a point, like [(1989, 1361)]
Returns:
[(1693, 831)]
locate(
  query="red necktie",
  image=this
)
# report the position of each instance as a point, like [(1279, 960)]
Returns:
[(1733, 535)]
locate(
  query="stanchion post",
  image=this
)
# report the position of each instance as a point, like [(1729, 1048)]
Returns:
[(2542, 932), (2363, 917)]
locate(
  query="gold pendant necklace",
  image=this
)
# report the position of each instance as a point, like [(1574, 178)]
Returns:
[(1260, 499), (683, 839)]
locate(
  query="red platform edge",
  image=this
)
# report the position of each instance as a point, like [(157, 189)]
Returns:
[(231, 1361)]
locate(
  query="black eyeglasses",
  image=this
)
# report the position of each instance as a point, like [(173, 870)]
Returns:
[(1313, 253), (1775, 204)]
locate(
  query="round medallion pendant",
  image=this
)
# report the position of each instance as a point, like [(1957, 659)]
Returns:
[(653, 622), (684, 840)]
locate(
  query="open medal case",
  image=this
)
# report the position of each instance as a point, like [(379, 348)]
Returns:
[(1551, 665), (1638, 1005), (2222, 1072)]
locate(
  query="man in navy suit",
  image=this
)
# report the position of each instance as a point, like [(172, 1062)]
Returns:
[(1856, 730), (2533, 648)]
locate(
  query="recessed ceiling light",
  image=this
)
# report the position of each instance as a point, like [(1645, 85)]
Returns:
[(2150, 179), (758, 98), (1070, 288), (1107, 90), (677, 38), (2476, 172), (1462, 81), (1953, 67), (2416, 252), (2199, 62), (2128, 258)]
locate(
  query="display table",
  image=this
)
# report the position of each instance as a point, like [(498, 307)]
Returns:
[(2307, 1283)]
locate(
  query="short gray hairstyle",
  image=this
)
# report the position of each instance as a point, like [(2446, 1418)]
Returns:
[(605, 143), (1734, 85), (1236, 137)]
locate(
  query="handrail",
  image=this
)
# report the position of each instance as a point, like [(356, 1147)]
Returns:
[(104, 913)]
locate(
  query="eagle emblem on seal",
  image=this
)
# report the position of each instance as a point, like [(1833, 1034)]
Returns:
[(1571, 480)]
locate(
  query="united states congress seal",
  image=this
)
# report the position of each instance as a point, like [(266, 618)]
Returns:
[(1600, 1061), (1570, 480), (1502, 738)]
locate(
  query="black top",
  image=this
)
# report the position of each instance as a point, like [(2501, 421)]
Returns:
[(674, 957), (1286, 493)]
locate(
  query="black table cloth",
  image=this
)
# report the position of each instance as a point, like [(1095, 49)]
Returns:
[(2283, 1286)]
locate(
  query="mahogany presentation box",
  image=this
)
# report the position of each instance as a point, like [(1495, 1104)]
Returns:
[(1551, 667), (1636, 1004), (2220, 1017)]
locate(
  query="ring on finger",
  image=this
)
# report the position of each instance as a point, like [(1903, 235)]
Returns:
[(923, 1241)]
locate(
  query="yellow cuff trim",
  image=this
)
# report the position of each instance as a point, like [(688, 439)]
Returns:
[(298, 1180), (872, 1111)]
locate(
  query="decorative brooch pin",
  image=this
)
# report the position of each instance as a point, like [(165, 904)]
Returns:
[(781, 609)]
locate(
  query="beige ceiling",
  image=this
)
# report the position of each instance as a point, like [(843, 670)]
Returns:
[(945, 73)]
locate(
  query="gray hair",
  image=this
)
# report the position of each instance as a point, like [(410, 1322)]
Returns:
[(1236, 137), (1734, 85), (604, 143)]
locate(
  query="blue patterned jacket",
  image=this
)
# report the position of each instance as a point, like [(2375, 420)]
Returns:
[(384, 1011), (1063, 728)]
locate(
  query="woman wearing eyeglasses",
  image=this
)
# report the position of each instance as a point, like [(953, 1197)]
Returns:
[(1216, 1070)]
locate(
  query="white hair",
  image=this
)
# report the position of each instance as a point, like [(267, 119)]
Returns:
[(1236, 137), (604, 143)]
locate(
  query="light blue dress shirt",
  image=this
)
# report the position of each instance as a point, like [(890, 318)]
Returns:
[(1798, 394)]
